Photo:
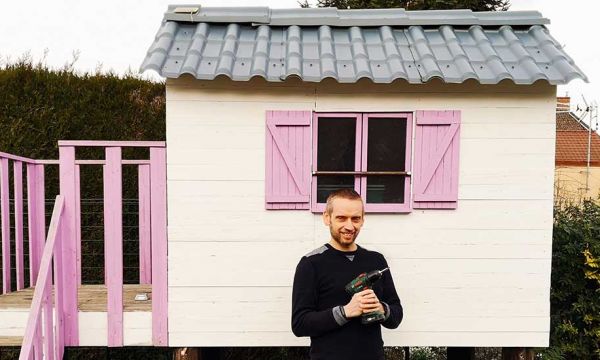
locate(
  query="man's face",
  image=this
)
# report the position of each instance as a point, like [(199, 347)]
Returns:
[(345, 220)]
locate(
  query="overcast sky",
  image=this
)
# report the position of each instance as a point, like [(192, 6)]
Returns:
[(117, 33)]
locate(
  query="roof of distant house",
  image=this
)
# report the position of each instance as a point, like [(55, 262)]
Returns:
[(569, 121), (572, 142), (572, 148), (347, 45)]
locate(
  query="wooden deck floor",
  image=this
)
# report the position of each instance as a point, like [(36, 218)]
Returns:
[(10, 341), (91, 298)]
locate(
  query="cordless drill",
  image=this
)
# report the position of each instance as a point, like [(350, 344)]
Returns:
[(362, 282)]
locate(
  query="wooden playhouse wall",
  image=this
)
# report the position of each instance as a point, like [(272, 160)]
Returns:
[(475, 276)]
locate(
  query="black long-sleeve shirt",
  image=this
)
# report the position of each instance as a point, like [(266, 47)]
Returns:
[(318, 293)]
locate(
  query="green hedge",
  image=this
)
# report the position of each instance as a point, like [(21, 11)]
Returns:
[(575, 293), (39, 106)]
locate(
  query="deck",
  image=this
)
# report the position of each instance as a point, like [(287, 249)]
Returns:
[(90, 298), (51, 309), (92, 302)]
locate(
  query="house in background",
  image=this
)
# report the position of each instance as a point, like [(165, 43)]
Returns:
[(443, 121), (575, 178)]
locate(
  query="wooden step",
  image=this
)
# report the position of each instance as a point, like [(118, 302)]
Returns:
[(11, 340)]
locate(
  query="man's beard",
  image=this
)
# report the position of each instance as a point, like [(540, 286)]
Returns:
[(337, 237)]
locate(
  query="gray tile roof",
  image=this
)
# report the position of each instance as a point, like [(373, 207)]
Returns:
[(382, 45)]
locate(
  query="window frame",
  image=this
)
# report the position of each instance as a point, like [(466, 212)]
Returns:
[(360, 163), (320, 207)]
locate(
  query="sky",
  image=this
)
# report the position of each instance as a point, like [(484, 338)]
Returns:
[(115, 34)]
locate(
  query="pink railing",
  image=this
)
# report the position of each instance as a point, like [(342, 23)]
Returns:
[(152, 232), (152, 227), (48, 340), (36, 218)]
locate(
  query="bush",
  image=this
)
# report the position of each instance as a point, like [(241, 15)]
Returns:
[(39, 106), (575, 288)]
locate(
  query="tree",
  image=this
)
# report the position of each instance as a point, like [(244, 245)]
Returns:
[(575, 289), (475, 5)]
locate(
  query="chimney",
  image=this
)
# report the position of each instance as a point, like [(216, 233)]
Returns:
[(563, 104)]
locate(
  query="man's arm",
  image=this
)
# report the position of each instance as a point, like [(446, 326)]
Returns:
[(306, 320), (390, 301)]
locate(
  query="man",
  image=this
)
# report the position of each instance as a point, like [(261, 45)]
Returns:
[(322, 309)]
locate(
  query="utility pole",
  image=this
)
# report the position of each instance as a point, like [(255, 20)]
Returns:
[(589, 152), (593, 112)]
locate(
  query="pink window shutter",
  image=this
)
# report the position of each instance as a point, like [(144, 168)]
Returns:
[(435, 173), (287, 180)]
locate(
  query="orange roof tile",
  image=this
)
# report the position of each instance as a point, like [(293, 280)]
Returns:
[(568, 121), (571, 148)]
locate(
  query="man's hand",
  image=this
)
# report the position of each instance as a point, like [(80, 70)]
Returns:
[(363, 302)]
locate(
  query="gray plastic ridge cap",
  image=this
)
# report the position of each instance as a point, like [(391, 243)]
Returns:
[(249, 14), (355, 17), (525, 17)]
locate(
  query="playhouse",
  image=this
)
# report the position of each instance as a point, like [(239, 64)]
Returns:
[(443, 121)]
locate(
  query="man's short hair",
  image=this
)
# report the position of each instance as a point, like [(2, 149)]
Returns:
[(344, 193)]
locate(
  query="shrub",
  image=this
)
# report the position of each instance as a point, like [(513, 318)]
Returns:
[(575, 288)]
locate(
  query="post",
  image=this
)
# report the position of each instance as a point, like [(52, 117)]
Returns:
[(40, 224), (5, 210), (69, 245), (78, 220), (186, 353), (18, 197), (31, 219), (592, 108), (32, 205), (37, 340), (113, 244), (36, 218), (517, 353), (460, 353), (144, 224), (59, 318), (48, 323), (158, 204)]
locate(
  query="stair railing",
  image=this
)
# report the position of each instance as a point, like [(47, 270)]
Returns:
[(44, 333)]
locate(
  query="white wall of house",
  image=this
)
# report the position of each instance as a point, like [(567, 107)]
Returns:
[(478, 275)]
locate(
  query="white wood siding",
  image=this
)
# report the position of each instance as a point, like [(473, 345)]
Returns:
[(137, 328), (475, 276), (93, 326)]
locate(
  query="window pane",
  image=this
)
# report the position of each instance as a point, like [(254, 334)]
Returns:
[(385, 189), (327, 184), (336, 144), (386, 149)]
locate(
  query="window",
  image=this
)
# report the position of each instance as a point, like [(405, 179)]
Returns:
[(369, 152)]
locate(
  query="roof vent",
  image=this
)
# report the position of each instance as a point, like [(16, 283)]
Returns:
[(186, 10)]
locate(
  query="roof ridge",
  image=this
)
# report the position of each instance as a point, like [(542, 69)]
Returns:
[(262, 15)]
